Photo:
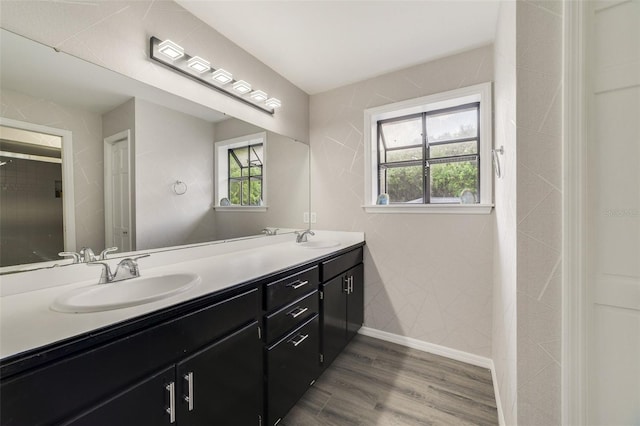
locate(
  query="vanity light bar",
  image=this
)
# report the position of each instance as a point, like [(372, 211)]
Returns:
[(196, 68)]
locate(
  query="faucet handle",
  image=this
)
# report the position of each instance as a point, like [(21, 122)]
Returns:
[(103, 253), (73, 254), (106, 275), (87, 255)]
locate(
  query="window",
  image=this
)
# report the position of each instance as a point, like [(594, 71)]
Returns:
[(241, 173), (431, 154)]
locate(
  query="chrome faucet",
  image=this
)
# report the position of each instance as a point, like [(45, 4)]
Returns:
[(301, 236), (86, 254), (270, 231), (127, 268)]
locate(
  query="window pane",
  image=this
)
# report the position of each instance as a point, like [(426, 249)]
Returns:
[(451, 149), (448, 180), (256, 155), (404, 184), (404, 155), (402, 133), (245, 192), (452, 125), (255, 193), (243, 156), (234, 192), (256, 171), (234, 167)]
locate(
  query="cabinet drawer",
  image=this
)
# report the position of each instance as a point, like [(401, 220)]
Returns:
[(292, 365), (285, 319), (286, 290), (338, 265)]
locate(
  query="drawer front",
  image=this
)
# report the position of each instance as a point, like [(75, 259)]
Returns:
[(287, 318), (340, 264), (120, 363), (292, 365), (286, 290)]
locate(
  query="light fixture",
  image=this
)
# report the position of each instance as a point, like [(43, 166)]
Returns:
[(241, 86), (171, 50), (198, 64), (258, 95), (173, 56), (273, 103), (222, 76)]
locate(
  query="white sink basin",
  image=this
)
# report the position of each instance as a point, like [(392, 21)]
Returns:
[(122, 294), (318, 244)]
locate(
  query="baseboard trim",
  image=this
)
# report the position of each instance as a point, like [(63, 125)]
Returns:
[(435, 349)]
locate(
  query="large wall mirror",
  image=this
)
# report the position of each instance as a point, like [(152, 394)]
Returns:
[(91, 158)]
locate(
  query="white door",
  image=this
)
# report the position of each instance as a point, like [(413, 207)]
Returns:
[(613, 213), (118, 193)]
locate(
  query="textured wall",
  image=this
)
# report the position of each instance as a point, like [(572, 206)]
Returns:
[(504, 351), (428, 276), (171, 146), (88, 173), (115, 34), (539, 210)]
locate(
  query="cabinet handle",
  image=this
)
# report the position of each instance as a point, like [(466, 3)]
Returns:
[(171, 387), (189, 396), (297, 312), (350, 284), (297, 284), (301, 338), (345, 287)]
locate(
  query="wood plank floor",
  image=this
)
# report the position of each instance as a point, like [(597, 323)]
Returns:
[(374, 382)]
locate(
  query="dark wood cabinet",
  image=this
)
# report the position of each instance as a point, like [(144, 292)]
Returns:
[(342, 308), (243, 356), (218, 384), (292, 365)]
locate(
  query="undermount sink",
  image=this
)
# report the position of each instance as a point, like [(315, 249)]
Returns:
[(123, 294), (318, 244)]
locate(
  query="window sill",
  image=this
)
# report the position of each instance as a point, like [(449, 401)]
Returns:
[(247, 209), (430, 208)]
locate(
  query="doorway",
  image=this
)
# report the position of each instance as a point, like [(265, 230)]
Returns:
[(117, 192)]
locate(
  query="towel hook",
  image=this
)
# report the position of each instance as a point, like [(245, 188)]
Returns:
[(496, 159), (179, 187)]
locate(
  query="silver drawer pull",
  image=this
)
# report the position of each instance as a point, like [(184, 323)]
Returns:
[(301, 338), (171, 387), (189, 396), (297, 284), (297, 312)]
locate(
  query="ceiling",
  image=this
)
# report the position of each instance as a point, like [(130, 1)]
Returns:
[(321, 45)]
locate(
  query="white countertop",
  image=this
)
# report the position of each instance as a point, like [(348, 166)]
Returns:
[(27, 322)]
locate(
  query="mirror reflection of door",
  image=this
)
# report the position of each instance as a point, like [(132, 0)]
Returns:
[(118, 232), (31, 203)]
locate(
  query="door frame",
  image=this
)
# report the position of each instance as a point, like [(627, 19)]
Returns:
[(68, 197), (125, 135)]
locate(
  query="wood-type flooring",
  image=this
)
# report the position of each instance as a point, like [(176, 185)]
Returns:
[(374, 382)]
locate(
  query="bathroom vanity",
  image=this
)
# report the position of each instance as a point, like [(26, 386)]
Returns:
[(240, 349)]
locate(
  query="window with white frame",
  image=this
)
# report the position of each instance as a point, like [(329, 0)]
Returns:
[(240, 176), (431, 154)]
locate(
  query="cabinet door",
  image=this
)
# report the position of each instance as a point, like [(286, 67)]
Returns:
[(292, 365), (334, 318), (355, 301), (144, 403), (222, 384)]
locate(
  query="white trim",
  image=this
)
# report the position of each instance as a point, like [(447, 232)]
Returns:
[(479, 92), (245, 209), (431, 208), (432, 348), (574, 375), (496, 391), (68, 198)]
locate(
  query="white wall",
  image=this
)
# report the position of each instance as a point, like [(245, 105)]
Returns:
[(504, 350), (172, 146), (115, 34), (86, 129), (428, 277), (539, 210)]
